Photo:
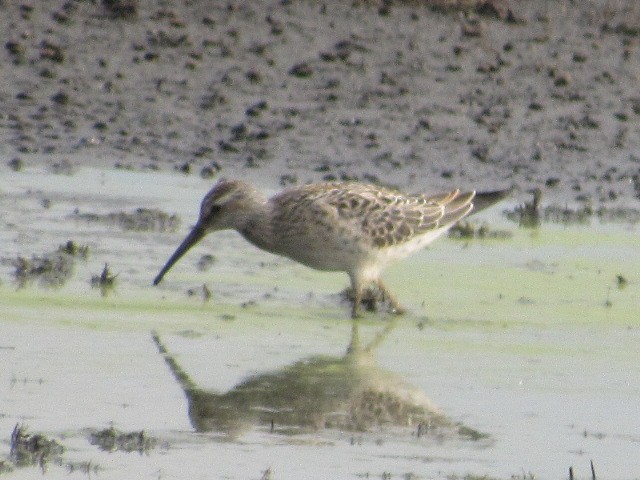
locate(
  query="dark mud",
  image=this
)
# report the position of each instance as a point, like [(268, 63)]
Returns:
[(476, 94), (471, 230), (106, 281), (112, 440), (141, 220), (532, 214), (37, 450), (50, 270), (30, 449)]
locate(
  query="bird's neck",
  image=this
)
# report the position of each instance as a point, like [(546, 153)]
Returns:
[(257, 228)]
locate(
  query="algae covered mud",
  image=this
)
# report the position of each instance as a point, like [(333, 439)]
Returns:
[(518, 356)]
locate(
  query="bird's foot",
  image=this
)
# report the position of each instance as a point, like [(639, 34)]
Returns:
[(367, 300), (370, 299), (397, 309), (394, 307)]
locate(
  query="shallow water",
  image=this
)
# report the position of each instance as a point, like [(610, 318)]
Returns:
[(530, 340)]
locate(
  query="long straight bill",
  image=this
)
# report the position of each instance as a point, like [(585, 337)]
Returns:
[(194, 237)]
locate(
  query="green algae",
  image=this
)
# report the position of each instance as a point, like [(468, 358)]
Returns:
[(553, 277)]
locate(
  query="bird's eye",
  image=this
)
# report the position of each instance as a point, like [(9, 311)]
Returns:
[(210, 212)]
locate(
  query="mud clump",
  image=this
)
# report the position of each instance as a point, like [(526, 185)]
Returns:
[(106, 281), (469, 231), (471, 433), (33, 449), (532, 215), (36, 450), (620, 215), (203, 292), (112, 440), (206, 262), (141, 220), (51, 270), (121, 9), (16, 164), (621, 281), (73, 249)]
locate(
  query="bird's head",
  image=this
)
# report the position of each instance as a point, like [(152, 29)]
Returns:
[(227, 205)]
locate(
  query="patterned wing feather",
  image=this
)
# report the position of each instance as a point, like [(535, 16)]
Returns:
[(378, 216), (409, 216)]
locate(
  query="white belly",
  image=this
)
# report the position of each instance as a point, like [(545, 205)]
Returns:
[(389, 255), (335, 253)]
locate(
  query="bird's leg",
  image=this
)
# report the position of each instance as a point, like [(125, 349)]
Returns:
[(356, 309), (396, 308), (357, 288), (354, 344)]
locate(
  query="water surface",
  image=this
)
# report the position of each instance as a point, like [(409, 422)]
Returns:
[(517, 356)]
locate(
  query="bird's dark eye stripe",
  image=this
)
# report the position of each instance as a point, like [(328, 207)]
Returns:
[(211, 211)]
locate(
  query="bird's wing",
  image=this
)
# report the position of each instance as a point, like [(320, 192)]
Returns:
[(374, 215)]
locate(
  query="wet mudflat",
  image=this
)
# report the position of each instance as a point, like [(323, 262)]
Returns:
[(518, 356)]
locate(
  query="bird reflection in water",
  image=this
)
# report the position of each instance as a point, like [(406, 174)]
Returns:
[(348, 393)]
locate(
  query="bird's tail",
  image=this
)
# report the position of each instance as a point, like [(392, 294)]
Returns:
[(484, 200)]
